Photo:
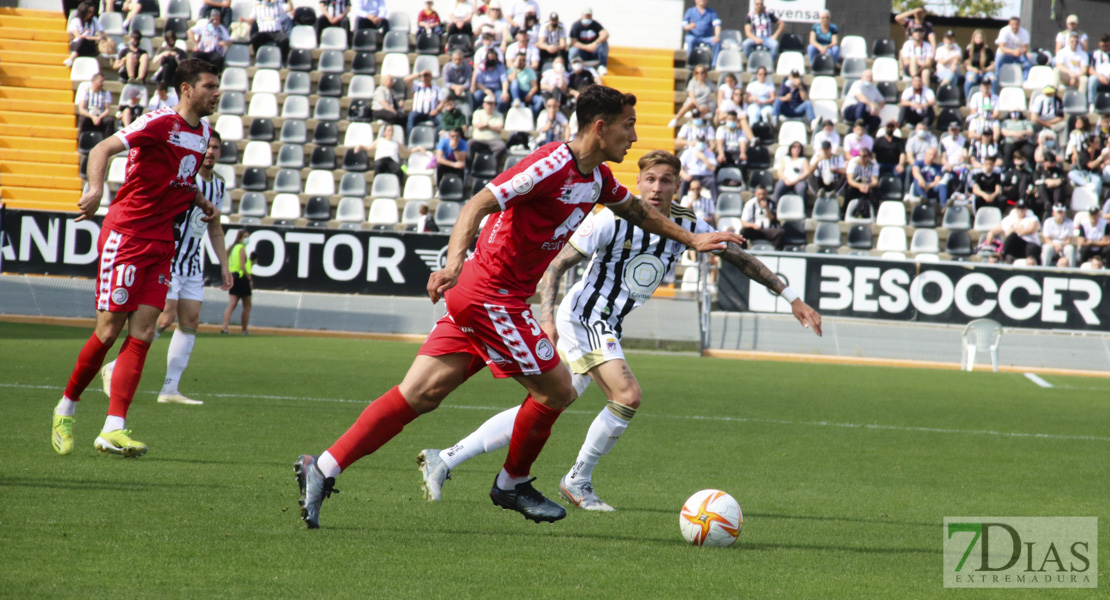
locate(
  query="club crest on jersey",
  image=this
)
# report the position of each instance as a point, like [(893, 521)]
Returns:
[(611, 345), (544, 350), (162, 279), (595, 192), (522, 183), (120, 296)]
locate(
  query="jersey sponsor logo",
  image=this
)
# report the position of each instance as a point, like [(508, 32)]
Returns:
[(643, 274), (570, 224), (544, 350), (120, 296), (188, 141), (522, 183), (187, 167)]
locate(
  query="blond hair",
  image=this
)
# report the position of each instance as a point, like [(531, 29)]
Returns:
[(659, 157)]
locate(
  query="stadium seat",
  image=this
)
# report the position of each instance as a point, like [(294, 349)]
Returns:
[(724, 175), (396, 42), (230, 128), (358, 134), (948, 95), (362, 86), (884, 48), (890, 112), (179, 26), (1011, 99), (484, 165), (729, 204), (791, 61), (353, 184), (891, 213), (731, 61), (1083, 198), (451, 188), (410, 214), (112, 22), (254, 180), (88, 141), (794, 233), (1102, 103), (447, 213), (761, 177), (227, 173), (1009, 75), (285, 209), (356, 162), (853, 68), (298, 83), (853, 46), (729, 224), (1039, 77), (759, 157), (429, 45), (323, 157), (268, 57), (266, 81), (826, 209), (731, 39), (318, 211), (889, 90), (319, 183), (257, 154), (418, 187), (924, 216), (925, 241), (396, 65), (117, 170), (1074, 103), (294, 131), (399, 21), (519, 118), (702, 56), (302, 37), (238, 55), (262, 129), (263, 105), (957, 218), (351, 211), (299, 59), (252, 204), (383, 212), (790, 42), (792, 131), (327, 109), (418, 164), (385, 185), (892, 239), (791, 208), (427, 63), (178, 8), (424, 135), (986, 219), (893, 255), (760, 58), (366, 39), (885, 69), (291, 156), (477, 183), (689, 280), (364, 63), (331, 61), (823, 64), (144, 24), (850, 210), (826, 110), (333, 38), (330, 84), (958, 243), (84, 68), (827, 235), (229, 153)]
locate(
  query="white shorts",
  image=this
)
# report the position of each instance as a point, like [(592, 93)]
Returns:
[(584, 348), (186, 287)]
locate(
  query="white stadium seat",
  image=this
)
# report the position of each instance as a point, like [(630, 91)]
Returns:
[(791, 61), (885, 69), (117, 172), (1039, 77), (410, 215), (358, 134), (823, 87), (853, 46), (267, 81), (350, 210), (519, 119), (263, 106), (891, 239), (295, 107), (286, 206), (320, 183), (303, 36), (892, 213), (84, 67), (383, 211), (230, 128), (395, 64), (418, 187), (258, 154)]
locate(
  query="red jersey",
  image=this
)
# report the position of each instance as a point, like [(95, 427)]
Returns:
[(163, 156), (543, 201)]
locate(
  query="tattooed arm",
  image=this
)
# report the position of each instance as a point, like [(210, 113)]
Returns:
[(549, 287), (759, 273), (644, 216)]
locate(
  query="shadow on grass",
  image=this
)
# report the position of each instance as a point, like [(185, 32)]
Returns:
[(830, 518), (86, 484)]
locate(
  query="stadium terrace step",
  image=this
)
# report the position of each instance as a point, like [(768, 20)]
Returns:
[(652, 143), (56, 157), (11, 11), (64, 133), (59, 71), (56, 33), (60, 48), (37, 169), (640, 71), (632, 84), (38, 119), (42, 23), (40, 83), (14, 142), (28, 58), (72, 184), (38, 198), (646, 131), (635, 60), (37, 106), (646, 95), (37, 95)]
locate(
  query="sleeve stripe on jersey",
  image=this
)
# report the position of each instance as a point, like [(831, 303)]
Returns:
[(541, 168), (143, 121), (682, 212)]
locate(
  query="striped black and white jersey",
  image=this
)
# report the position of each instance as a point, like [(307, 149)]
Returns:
[(189, 229), (627, 265)]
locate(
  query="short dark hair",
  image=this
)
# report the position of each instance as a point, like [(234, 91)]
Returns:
[(458, 130), (189, 71), (84, 6), (162, 87), (1104, 38), (213, 134), (759, 187), (599, 101)]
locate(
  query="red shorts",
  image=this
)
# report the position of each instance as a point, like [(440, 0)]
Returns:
[(499, 333), (133, 271)]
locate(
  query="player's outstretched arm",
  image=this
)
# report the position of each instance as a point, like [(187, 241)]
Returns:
[(644, 216), (759, 273), (216, 236), (98, 163), (549, 287), (466, 228)]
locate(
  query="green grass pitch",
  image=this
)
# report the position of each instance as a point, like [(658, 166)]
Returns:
[(834, 506)]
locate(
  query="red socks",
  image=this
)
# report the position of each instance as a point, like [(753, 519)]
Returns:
[(88, 365), (126, 375), (530, 432), (379, 423)]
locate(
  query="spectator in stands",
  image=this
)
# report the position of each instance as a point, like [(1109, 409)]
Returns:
[(370, 14), (890, 151), (978, 65), (208, 7), (85, 33), (1017, 132), (1092, 236), (762, 28), (211, 40), (589, 40), (130, 8), (579, 79), (793, 171), (863, 185), (552, 41), (1095, 264), (1071, 27), (1102, 129), (917, 55), (917, 103), (1046, 142), (269, 17), (1051, 183), (487, 125), (1076, 138), (930, 182), (532, 27), (451, 117), (519, 14), (1057, 232), (732, 140), (1018, 231), (983, 151), (1017, 181), (983, 103), (914, 18), (921, 141), (1072, 64), (451, 155), (132, 61), (524, 85), (827, 171), (759, 222), (131, 105), (493, 22), (481, 7), (460, 17), (427, 99), (554, 82), (858, 139), (425, 223), (389, 154), (701, 201), (986, 185), (948, 59), (384, 106), (793, 100), (491, 81), (523, 48), (458, 76), (761, 98), (724, 92), (95, 108), (427, 22), (1013, 48), (702, 25), (698, 162), (864, 101), (333, 13), (954, 156), (166, 58), (1098, 71), (733, 103), (163, 97), (827, 133), (1047, 110), (488, 45), (1088, 165), (824, 38), (699, 95), (551, 125)]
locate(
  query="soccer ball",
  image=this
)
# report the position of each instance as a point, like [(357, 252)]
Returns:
[(711, 518)]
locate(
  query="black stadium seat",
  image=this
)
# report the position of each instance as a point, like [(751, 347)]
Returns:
[(924, 215), (428, 44), (790, 42), (764, 133), (331, 84), (177, 25), (1102, 103), (477, 183), (484, 165), (890, 187), (323, 157), (262, 130), (958, 243), (884, 47), (860, 237), (88, 141), (451, 188), (946, 116), (702, 56), (761, 177), (299, 59), (794, 233), (364, 63), (759, 157), (357, 162), (948, 96), (461, 42), (823, 64), (318, 211), (889, 90), (294, 131), (367, 39), (326, 134), (229, 153), (254, 180)]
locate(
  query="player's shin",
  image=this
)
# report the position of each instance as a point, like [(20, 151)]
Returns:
[(492, 435), (177, 358), (604, 432), (530, 432), (125, 380), (379, 423), (88, 365)]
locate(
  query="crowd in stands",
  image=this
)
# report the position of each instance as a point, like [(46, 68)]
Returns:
[(989, 137)]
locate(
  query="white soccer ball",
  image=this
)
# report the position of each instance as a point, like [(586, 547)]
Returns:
[(711, 518)]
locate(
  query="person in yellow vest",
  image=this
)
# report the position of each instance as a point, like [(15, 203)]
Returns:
[(240, 265)]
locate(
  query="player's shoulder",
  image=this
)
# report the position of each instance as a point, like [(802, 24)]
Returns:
[(681, 213)]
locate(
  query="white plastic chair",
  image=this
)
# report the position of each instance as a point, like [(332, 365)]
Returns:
[(823, 87), (263, 106), (117, 171), (925, 241), (410, 215), (230, 128), (1039, 76), (286, 207), (519, 119), (358, 133), (791, 208), (418, 164), (295, 107), (690, 280), (1011, 99), (891, 239), (980, 333), (891, 213), (1083, 198), (303, 36), (258, 154), (320, 183), (267, 81), (350, 210), (987, 218), (383, 211), (386, 185), (227, 173), (84, 67), (826, 110), (885, 69), (333, 38), (792, 131), (418, 187), (791, 61), (395, 64), (426, 62), (853, 46)]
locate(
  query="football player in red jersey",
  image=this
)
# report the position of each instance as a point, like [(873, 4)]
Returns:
[(165, 149), (538, 203)]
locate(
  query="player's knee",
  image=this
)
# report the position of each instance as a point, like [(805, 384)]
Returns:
[(629, 396)]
